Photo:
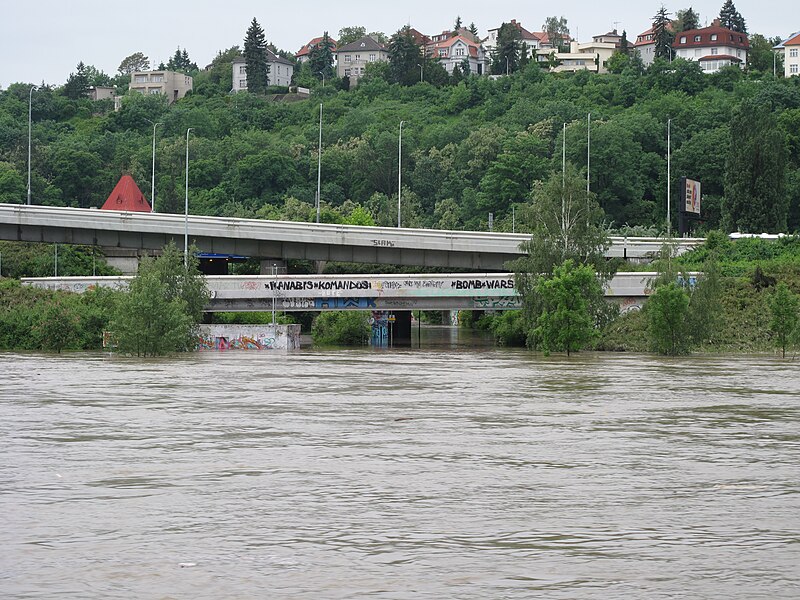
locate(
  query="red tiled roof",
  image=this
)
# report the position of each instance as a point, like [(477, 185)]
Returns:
[(126, 195), (725, 37), (307, 48), (793, 41), (436, 46)]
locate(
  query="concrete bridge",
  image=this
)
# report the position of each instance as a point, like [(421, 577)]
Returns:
[(478, 251), (477, 291)]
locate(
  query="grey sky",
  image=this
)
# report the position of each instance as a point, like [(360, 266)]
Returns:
[(44, 40)]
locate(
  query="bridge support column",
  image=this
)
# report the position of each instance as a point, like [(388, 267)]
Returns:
[(267, 265), (401, 330)]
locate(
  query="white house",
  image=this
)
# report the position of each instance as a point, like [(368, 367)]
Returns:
[(280, 72), (790, 49), (455, 51), (591, 56), (169, 83), (352, 59), (713, 47)]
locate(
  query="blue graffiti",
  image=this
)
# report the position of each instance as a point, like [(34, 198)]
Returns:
[(341, 303)]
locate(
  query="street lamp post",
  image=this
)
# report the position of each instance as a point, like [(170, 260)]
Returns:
[(506, 66), (669, 174), (30, 106), (186, 208), (319, 161), (399, 171), (323, 77), (588, 149), (153, 177), (420, 73)]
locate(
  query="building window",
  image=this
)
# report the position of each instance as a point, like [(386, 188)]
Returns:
[(792, 52), (155, 91), (459, 52), (738, 53), (794, 68), (243, 70), (243, 83), (715, 51), (697, 38), (140, 79), (683, 39), (372, 58), (713, 37), (358, 57), (156, 78), (347, 72)]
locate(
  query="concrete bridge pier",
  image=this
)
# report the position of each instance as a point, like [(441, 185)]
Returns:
[(401, 329), (273, 266)]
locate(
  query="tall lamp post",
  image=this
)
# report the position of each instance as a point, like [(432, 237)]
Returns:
[(30, 106), (319, 161), (186, 208), (323, 77), (669, 174), (420, 73), (153, 176), (399, 170)]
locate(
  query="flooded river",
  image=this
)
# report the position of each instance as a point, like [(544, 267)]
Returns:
[(444, 472)]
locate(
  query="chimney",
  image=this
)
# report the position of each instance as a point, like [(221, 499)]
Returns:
[(716, 23)]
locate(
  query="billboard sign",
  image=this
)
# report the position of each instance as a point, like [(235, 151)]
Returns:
[(691, 196)]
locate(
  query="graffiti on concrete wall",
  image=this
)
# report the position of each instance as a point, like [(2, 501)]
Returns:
[(220, 342)]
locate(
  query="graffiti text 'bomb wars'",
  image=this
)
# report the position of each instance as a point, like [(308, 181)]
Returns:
[(479, 284)]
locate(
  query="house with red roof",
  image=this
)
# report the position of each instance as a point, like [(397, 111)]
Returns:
[(532, 41), (714, 47), (790, 49), (304, 54), (459, 51), (126, 195), (645, 45)]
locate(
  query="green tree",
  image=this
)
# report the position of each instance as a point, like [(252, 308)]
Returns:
[(761, 56), (135, 62), (704, 316), (161, 309), (566, 224), (686, 19), (321, 58), (663, 35), (347, 35), (755, 172), (456, 26), (557, 30), (624, 44), (341, 328), (77, 85), (473, 29), (666, 312), (566, 323), (784, 308), (12, 185), (404, 56), (181, 62), (57, 325), (505, 57), (255, 56), (731, 18)]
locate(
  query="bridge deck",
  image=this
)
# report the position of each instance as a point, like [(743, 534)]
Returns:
[(358, 292), (480, 251)]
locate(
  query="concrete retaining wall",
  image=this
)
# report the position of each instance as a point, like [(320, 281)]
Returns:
[(248, 337)]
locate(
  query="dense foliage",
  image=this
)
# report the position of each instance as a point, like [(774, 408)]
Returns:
[(469, 149), (341, 328)]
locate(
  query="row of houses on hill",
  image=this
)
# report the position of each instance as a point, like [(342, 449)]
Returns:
[(713, 48)]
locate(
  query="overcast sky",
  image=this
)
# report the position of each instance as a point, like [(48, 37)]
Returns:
[(43, 40)]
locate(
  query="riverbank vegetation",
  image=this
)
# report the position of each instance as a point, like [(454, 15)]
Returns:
[(156, 315)]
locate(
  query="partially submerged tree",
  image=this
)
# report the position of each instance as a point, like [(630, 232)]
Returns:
[(784, 322), (162, 307)]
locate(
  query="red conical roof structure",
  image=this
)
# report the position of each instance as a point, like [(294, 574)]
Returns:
[(127, 196)]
